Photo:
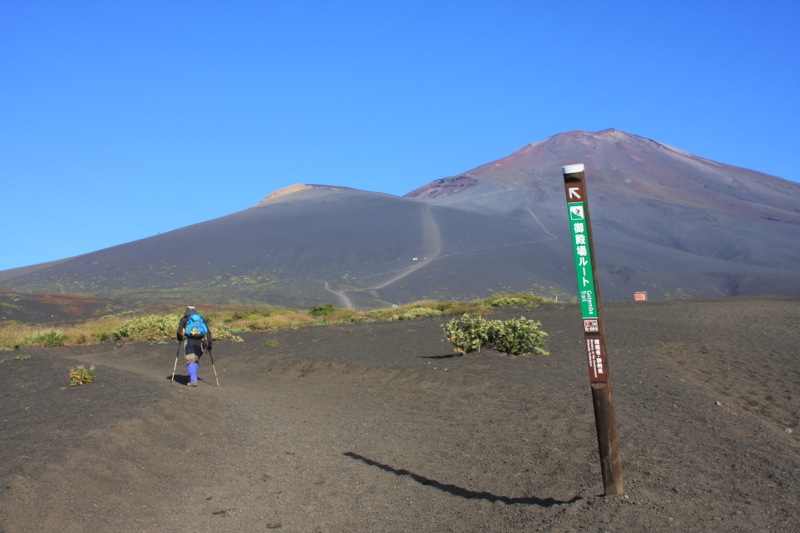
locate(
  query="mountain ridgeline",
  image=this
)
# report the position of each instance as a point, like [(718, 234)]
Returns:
[(665, 221)]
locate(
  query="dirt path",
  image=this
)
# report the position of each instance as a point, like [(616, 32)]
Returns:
[(431, 249), (431, 239), (376, 427)]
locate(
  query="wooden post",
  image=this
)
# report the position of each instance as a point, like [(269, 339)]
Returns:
[(593, 331)]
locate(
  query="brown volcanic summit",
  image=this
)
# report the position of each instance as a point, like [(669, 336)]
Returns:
[(631, 168), (665, 221)]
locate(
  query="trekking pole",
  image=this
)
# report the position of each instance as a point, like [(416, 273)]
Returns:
[(175, 366), (212, 366)]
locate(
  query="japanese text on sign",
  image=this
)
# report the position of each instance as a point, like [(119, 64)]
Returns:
[(583, 260), (594, 350)]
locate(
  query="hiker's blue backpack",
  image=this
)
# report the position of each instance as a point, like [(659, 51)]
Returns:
[(196, 327)]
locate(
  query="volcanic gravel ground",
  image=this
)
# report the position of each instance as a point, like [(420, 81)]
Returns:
[(380, 427)]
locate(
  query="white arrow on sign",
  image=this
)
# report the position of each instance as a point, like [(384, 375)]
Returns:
[(574, 192)]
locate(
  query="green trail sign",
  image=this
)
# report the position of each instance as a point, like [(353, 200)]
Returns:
[(594, 337), (583, 259), (582, 251)]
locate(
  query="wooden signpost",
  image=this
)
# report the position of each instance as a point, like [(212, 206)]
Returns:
[(594, 336)]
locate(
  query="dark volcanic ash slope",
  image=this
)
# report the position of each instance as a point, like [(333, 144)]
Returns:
[(308, 245), (663, 219)]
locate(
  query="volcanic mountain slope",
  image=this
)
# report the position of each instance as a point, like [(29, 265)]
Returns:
[(665, 221), (316, 244)]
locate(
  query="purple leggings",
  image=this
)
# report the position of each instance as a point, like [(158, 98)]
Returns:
[(191, 368)]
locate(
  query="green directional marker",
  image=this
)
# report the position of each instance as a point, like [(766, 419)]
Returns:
[(583, 259)]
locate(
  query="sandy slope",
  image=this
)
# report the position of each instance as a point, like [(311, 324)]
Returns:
[(377, 427)]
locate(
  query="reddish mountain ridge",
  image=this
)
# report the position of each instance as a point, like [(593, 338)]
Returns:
[(626, 166)]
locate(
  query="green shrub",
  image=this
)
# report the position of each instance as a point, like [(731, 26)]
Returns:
[(81, 375), (507, 300), (468, 333), (418, 312), (514, 336), (161, 327), (148, 328), (49, 337), (518, 336), (322, 310)]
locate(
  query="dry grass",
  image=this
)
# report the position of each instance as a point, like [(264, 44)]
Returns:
[(16, 336), (225, 322)]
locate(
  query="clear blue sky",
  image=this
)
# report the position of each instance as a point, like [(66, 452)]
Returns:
[(113, 111)]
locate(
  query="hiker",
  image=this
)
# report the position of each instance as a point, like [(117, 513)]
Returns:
[(197, 335)]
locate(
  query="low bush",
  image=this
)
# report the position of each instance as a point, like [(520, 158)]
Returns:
[(518, 336), (163, 327), (468, 333), (515, 336), (147, 328), (322, 310), (48, 337), (418, 312), (81, 375), (517, 300)]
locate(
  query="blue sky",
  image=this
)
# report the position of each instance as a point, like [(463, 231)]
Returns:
[(122, 120)]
